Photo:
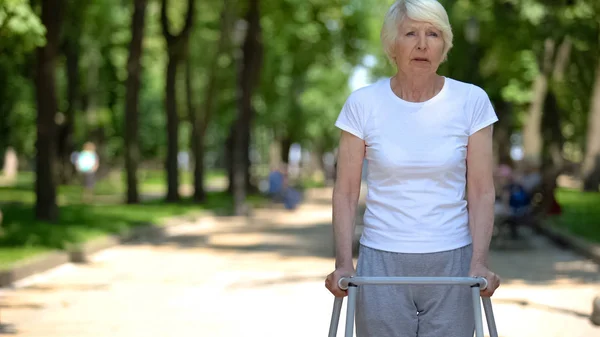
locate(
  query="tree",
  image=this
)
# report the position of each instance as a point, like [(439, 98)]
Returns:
[(591, 164), (176, 46), (201, 118), (247, 81), (132, 151), (591, 160), (47, 105), (324, 35), (71, 49)]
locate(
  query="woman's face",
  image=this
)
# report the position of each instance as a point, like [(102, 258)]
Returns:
[(419, 47)]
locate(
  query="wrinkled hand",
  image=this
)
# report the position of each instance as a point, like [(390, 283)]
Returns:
[(332, 280), (492, 279)]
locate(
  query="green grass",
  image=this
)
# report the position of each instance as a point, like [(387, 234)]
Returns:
[(24, 237), (158, 177), (580, 213), (11, 255), (150, 181)]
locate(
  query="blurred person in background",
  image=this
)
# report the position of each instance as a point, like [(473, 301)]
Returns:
[(277, 182), (87, 164), (280, 189), (430, 201)]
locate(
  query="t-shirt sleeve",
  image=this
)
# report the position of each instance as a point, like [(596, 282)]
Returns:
[(352, 118), (482, 111)]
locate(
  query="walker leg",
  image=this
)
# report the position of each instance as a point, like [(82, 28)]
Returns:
[(350, 310), (335, 316), (477, 311), (489, 315)]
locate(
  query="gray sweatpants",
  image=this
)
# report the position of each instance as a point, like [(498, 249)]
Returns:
[(414, 310)]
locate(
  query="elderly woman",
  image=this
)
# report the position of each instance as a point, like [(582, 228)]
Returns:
[(430, 202)]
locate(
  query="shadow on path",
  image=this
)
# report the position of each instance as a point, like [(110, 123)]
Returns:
[(314, 240), (542, 263), (7, 329)]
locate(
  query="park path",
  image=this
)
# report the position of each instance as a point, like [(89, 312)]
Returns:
[(263, 276)]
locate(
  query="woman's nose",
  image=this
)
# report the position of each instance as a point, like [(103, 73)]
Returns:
[(422, 42)]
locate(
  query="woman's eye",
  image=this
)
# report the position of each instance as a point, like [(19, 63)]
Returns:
[(410, 33), (434, 34)]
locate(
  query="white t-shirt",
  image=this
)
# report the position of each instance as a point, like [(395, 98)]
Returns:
[(416, 154)]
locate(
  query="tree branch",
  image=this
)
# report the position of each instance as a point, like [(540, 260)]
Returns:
[(189, 19), (164, 20), (562, 59)]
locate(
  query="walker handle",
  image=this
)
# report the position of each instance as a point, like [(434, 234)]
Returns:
[(480, 282)]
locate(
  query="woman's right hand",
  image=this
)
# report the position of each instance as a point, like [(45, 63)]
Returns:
[(332, 280)]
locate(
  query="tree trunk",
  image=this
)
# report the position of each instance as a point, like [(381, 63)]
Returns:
[(502, 131), (197, 136), (71, 48), (591, 162), (200, 123), (172, 131), (532, 134), (47, 105), (247, 162), (286, 144), (554, 140), (551, 154), (176, 45), (239, 176), (229, 152), (113, 97), (250, 70), (551, 121), (132, 150), (199, 190), (66, 143)]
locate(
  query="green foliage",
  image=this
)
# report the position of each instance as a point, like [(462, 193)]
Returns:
[(20, 29), (21, 32), (310, 52), (327, 90)]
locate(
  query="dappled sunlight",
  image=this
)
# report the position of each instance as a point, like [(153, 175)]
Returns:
[(293, 240), (304, 214), (544, 266), (251, 239), (216, 273)]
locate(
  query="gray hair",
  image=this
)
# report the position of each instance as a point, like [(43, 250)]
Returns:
[(419, 10)]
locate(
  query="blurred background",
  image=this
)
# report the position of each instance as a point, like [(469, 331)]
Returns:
[(120, 113)]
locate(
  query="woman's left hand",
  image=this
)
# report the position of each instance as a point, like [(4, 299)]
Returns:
[(492, 279)]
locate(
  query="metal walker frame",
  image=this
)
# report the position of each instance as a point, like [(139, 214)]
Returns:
[(351, 284)]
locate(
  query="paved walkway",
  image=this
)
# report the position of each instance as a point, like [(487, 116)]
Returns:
[(264, 277)]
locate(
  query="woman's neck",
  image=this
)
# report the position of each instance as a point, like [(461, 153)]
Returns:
[(416, 88)]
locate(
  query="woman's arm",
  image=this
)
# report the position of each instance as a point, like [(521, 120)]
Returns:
[(481, 197), (345, 199), (345, 195)]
